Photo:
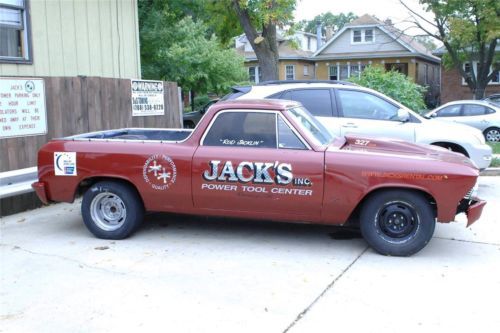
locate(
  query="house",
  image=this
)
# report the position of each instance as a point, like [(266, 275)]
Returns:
[(69, 38), (295, 53), (368, 41), (453, 86)]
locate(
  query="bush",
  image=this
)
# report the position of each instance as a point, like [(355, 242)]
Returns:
[(394, 85)]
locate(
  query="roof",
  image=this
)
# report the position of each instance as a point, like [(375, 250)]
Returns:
[(265, 104), (285, 51), (408, 42)]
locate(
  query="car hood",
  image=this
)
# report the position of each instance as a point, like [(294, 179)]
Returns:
[(449, 129), (402, 148)]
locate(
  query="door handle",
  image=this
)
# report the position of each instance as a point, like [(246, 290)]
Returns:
[(350, 125)]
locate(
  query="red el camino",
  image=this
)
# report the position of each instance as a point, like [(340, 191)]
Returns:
[(265, 160)]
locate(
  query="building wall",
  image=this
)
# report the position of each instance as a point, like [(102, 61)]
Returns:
[(452, 88), (299, 68), (82, 37), (342, 44)]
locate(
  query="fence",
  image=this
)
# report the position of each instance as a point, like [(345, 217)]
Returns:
[(77, 105)]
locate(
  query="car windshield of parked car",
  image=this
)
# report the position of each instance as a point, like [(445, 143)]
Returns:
[(311, 126)]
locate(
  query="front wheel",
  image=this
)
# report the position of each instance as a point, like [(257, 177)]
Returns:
[(397, 222), (112, 210)]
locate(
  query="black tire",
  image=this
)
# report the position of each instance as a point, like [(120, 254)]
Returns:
[(112, 210), (397, 222), (189, 124), (492, 134)]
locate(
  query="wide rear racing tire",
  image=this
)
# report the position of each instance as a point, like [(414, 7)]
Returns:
[(112, 210), (397, 222)]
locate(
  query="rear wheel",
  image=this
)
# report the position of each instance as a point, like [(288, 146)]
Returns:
[(397, 222), (112, 210), (492, 134), (189, 124)]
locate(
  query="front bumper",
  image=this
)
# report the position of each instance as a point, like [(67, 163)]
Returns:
[(474, 210), (481, 154)]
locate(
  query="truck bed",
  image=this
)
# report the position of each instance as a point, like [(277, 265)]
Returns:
[(140, 134)]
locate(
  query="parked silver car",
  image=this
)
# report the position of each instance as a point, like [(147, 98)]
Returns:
[(345, 108), (482, 115)]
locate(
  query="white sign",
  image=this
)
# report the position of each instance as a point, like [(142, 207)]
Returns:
[(65, 163), (22, 107), (147, 98)]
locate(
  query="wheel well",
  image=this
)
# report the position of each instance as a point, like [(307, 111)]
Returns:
[(489, 128), (453, 146), (354, 217), (88, 182)]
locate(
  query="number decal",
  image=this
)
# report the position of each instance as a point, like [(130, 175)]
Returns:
[(361, 142)]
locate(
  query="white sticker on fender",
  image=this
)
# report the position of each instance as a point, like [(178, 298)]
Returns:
[(65, 163)]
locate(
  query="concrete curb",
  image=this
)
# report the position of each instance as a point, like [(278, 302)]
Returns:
[(490, 172)]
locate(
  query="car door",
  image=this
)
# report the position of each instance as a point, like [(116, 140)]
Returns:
[(476, 115), (254, 162), (364, 113), (320, 102)]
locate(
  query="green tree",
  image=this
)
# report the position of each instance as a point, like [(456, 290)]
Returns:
[(469, 30), (328, 19), (179, 50), (393, 84), (259, 20)]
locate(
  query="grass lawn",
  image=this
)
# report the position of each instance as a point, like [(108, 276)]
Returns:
[(495, 146)]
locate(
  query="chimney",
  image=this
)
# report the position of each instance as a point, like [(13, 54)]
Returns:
[(388, 21), (318, 35), (329, 32)]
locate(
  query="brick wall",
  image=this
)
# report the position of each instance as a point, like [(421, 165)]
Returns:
[(452, 88)]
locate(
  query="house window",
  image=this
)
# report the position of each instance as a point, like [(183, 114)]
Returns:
[(254, 74), (475, 66), (426, 74), (333, 73), (356, 36), (363, 36), (290, 72), (397, 67), (343, 72), (306, 70), (14, 36)]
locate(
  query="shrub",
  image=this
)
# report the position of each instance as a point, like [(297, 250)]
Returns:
[(394, 85)]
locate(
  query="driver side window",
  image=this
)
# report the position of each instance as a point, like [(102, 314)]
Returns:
[(358, 104)]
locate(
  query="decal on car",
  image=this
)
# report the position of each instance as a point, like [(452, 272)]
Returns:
[(159, 171), (65, 163), (399, 175), (256, 173)]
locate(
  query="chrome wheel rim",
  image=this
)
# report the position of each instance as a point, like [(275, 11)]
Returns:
[(108, 211), (493, 135)]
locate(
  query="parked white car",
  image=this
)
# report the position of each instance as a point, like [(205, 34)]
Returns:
[(346, 108), (482, 115)]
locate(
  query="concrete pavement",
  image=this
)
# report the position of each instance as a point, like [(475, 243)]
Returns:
[(193, 274)]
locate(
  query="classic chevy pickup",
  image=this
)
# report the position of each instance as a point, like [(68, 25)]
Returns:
[(265, 160)]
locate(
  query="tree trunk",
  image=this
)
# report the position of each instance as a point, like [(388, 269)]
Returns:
[(480, 91), (266, 49)]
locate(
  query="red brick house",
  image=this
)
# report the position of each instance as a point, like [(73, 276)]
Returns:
[(453, 86)]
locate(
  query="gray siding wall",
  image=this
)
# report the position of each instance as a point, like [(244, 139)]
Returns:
[(82, 37), (383, 43)]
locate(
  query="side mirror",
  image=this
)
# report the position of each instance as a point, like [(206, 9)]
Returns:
[(403, 115)]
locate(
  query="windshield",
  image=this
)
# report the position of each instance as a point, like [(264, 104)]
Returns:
[(312, 127)]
